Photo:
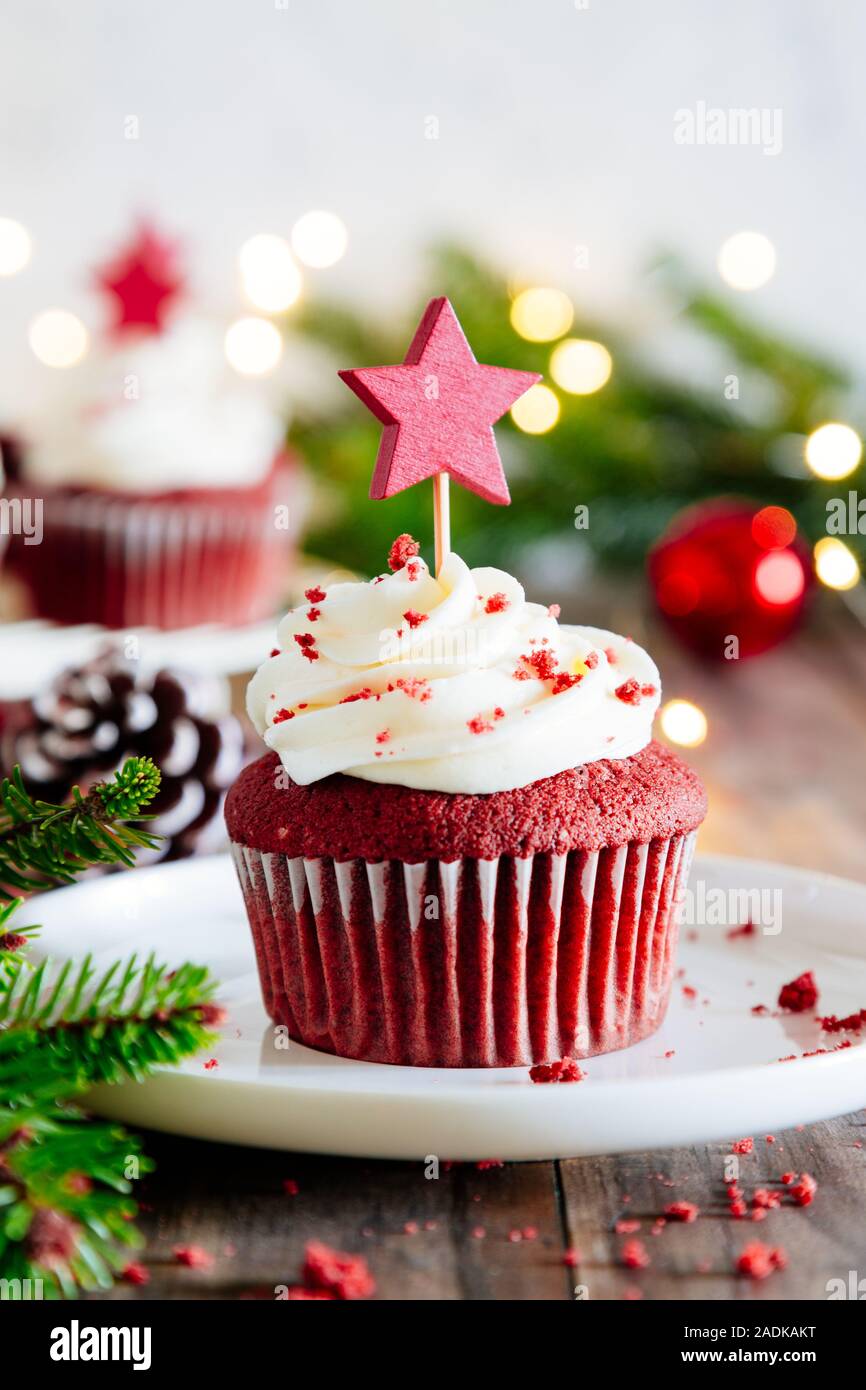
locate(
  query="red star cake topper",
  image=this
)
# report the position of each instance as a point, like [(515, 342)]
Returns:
[(143, 281), (438, 408)]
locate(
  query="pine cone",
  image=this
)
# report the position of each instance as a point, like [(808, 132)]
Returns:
[(94, 718)]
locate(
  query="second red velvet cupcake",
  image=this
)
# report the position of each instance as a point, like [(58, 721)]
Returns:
[(464, 849)]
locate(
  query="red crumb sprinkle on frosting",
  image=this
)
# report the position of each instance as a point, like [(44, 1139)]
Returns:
[(415, 687), (282, 715), (275, 651), (629, 692), (496, 603), (682, 1211), (404, 549), (336, 1273), (799, 995), (383, 736), (758, 1261), (415, 619), (365, 693), (634, 1255), (313, 614), (315, 595), (565, 1069), (307, 643)]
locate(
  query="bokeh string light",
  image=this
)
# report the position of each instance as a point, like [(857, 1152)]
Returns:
[(541, 314), (319, 239), (253, 346), (747, 260), (683, 723), (270, 277), (833, 451), (15, 246), (537, 411), (835, 565), (58, 338), (580, 366)]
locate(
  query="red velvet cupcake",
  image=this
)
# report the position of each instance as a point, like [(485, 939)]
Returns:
[(167, 500), (464, 850)]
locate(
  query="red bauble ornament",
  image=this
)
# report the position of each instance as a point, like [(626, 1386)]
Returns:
[(142, 281), (727, 569), (438, 407)]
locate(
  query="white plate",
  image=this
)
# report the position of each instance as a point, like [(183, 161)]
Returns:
[(724, 1080), (32, 653)]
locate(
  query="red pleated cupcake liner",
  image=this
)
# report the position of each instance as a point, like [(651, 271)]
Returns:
[(165, 564), (475, 963)]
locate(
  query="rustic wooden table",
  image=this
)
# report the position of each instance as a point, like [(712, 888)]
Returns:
[(784, 765)]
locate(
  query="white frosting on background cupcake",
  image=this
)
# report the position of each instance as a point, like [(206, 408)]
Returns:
[(154, 413), (455, 684)]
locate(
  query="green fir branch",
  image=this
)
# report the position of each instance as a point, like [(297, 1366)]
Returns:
[(42, 844)]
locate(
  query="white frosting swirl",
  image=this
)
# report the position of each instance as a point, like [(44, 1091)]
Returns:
[(155, 413), (476, 691)]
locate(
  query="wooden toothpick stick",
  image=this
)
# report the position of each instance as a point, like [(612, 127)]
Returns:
[(441, 520)]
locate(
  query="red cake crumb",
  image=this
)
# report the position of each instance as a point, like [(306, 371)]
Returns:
[(591, 660), (629, 692), (413, 570), (211, 1064), (648, 690), (365, 693), (738, 1207), (571, 1257), (496, 603), (403, 550), (307, 643), (315, 595), (742, 1146), (540, 665), (192, 1256), (689, 992), (313, 614), (383, 736), (484, 1164), (634, 1255), (479, 725), (275, 651), (764, 1197), (759, 1009), (345, 1276), (682, 1211), (563, 681), (851, 1024), (415, 687), (415, 619), (290, 1187), (769, 1138), (746, 929), (282, 715), (135, 1273), (803, 1192), (758, 1261), (800, 994), (563, 1070), (787, 1178), (553, 610)]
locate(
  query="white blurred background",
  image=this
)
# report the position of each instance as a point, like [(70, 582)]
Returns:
[(555, 131)]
